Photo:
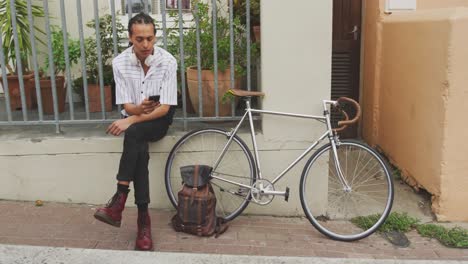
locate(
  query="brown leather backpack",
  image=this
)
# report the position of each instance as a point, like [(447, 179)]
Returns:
[(196, 210)]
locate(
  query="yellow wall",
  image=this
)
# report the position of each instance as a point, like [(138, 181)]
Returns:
[(432, 4), (413, 94)]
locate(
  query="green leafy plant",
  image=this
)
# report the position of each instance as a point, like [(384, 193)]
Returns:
[(228, 97), (395, 222), (58, 51), (107, 52), (223, 38), (454, 237), (23, 30), (240, 9), (107, 47), (401, 222)]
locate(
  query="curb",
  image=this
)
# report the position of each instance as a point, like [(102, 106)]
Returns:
[(33, 254)]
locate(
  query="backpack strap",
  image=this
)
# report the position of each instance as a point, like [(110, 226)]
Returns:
[(221, 226), (196, 173)]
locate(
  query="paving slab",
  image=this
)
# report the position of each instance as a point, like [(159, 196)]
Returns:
[(61, 225)]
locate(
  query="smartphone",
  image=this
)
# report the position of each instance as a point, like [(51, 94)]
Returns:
[(154, 98)]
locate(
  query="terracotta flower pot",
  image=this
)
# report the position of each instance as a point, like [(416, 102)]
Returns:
[(94, 97), (15, 92), (47, 97), (208, 90), (257, 33)]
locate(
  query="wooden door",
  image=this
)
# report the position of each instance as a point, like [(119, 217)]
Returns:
[(346, 53)]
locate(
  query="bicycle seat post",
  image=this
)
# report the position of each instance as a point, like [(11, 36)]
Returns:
[(247, 102)]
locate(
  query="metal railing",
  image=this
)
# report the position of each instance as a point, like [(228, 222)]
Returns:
[(29, 110)]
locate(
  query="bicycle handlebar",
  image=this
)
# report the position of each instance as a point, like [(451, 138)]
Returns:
[(343, 127), (344, 123)]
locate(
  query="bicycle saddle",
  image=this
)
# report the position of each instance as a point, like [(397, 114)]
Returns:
[(243, 93)]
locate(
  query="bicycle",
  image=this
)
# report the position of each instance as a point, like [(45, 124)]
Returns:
[(357, 179)]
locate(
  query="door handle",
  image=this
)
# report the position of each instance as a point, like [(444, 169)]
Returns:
[(355, 32)]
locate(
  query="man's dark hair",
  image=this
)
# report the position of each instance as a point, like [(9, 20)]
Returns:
[(140, 18)]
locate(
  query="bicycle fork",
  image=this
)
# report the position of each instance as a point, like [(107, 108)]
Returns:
[(333, 139)]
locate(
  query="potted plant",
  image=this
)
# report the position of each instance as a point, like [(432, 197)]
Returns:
[(92, 70), (240, 10), (58, 49), (207, 61), (22, 26)]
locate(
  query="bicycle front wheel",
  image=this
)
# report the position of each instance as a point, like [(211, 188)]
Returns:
[(329, 206), (203, 147)]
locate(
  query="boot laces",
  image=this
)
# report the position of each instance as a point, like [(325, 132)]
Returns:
[(145, 229), (145, 232), (112, 200)]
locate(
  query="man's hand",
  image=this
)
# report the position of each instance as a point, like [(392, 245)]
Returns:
[(119, 126), (148, 106)]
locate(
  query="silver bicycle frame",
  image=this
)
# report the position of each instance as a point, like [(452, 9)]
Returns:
[(248, 113)]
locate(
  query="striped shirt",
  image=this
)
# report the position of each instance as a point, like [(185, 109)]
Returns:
[(131, 84)]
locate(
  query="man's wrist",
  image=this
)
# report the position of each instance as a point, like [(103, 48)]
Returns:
[(140, 109), (132, 119)]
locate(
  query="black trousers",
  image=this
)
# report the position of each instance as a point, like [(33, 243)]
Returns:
[(135, 157)]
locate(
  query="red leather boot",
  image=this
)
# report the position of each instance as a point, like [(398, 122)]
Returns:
[(112, 213), (144, 240)]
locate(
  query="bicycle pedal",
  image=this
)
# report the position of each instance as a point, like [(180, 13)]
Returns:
[(286, 194)]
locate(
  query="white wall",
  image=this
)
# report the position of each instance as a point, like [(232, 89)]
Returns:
[(296, 64)]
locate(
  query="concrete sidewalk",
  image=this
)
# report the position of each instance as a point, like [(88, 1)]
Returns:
[(29, 254), (73, 226)]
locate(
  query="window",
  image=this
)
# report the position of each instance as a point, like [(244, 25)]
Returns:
[(154, 6), (172, 4), (138, 6)]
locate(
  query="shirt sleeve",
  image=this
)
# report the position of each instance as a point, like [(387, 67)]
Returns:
[(169, 85), (122, 91)]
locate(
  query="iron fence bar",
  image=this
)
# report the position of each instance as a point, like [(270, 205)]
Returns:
[(163, 17), (60, 122), (114, 37), (83, 59), (212, 118), (231, 50), (183, 118), (145, 4), (67, 60), (199, 69), (182, 64), (247, 25), (129, 9), (215, 56), (101, 121), (51, 65), (99, 57), (19, 65), (34, 55), (6, 91), (114, 29)]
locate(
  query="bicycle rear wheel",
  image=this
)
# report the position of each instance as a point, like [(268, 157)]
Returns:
[(331, 209), (203, 147)]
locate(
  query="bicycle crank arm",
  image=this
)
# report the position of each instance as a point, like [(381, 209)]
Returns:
[(280, 193)]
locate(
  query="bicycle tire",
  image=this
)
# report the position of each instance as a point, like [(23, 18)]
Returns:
[(373, 182), (202, 147)]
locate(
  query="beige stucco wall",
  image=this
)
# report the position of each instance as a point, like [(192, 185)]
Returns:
[(373, 15), (414, 85), (80, 167), (433, 4), (455, 159)]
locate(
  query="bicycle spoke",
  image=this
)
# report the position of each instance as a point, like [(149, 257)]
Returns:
[(204, 147), (371, 189)]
